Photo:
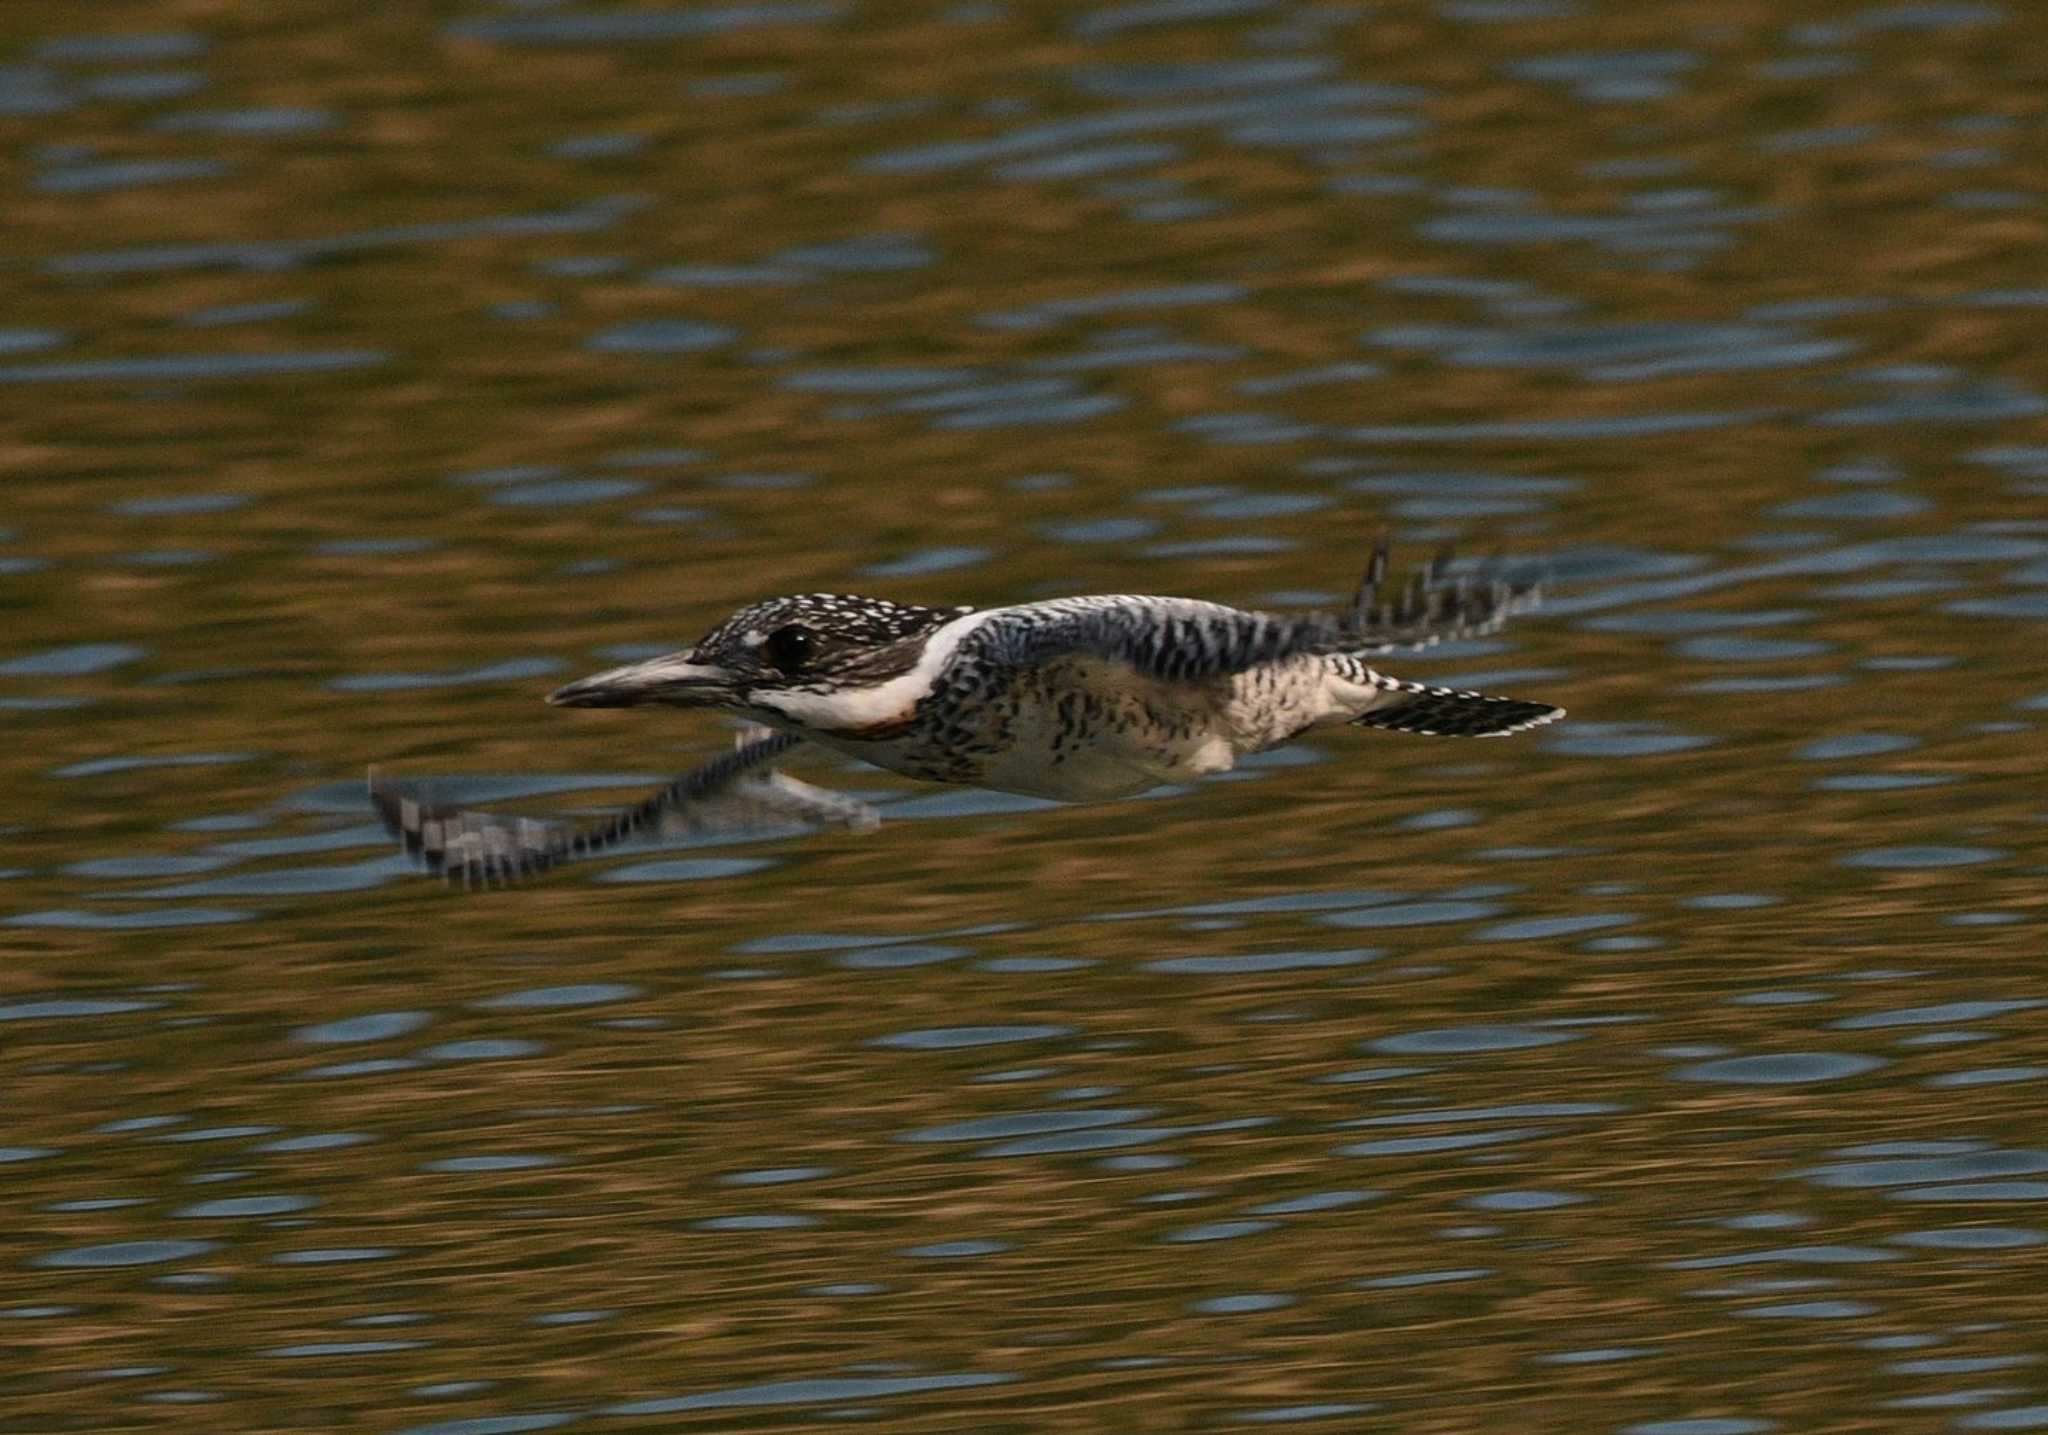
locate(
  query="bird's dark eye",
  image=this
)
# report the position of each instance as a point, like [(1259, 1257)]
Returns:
[(790, 647)]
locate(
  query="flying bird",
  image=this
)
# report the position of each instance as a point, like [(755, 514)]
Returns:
[(1078, 699)]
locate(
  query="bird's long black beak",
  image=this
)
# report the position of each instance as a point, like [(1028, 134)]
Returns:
[(671, 681)]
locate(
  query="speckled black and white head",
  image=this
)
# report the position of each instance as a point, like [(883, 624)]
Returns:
[(823, 661)]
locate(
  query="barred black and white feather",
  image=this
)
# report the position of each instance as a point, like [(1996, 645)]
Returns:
[(1186, 639), (474, 847)]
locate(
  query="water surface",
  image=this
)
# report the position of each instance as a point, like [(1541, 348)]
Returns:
[(1679, 1070)]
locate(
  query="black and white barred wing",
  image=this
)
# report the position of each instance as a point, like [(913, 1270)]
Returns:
[(1440, 603), (1167, 639), (1181, 638), (477, 847)]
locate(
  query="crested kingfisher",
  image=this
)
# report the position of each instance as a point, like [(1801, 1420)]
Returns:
[(1077, 699)]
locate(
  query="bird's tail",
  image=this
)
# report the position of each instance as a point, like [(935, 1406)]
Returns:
[(1450, 712)]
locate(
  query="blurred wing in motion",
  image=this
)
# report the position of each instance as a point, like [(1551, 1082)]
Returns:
[(477, 847), (1185, 640), (1433, 606)]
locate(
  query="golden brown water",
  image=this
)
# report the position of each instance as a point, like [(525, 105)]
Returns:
[(1677, 1071)]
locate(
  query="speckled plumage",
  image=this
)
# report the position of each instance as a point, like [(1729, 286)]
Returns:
[(1074, 698), (1082, 699), (1079, 699)]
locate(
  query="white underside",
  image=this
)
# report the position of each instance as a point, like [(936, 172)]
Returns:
[(1160, 732)]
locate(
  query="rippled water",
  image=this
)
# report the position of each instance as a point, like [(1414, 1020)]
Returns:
[(1676, 1071)]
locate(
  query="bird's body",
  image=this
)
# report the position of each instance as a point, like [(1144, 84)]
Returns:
[(1082, 726), (1078, 699)]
